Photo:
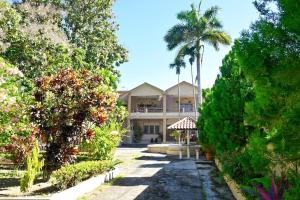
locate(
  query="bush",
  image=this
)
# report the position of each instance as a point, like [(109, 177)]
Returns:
[(71, 175), (66, 103), (34, 166), (105, 141)]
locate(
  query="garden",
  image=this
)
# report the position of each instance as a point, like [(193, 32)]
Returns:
[(60, 118)]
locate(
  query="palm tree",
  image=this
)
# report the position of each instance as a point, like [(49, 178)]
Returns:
[(178, 64), (193, 30)]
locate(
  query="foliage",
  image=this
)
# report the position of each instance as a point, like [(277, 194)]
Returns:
[(72, 26), (70, 175), (194, 29), (277, 78), (89, 26), (66, 103), (222, 122), (21, 147), (33, 166), (269, 188), (176, 135), (137, 133), (294, 186), (13, 103), (252, 113), (105, 141)]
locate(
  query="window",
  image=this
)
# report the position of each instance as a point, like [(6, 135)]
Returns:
[(156, 129), (187, 107), (151, 129), (146, 129)]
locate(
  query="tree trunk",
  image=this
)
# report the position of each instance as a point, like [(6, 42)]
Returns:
[(178, 98), (194, 96), (199, 96)]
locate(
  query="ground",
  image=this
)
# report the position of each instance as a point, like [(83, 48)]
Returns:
[(150, 176)]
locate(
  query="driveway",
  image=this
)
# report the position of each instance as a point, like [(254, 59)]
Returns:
[(151, 176)]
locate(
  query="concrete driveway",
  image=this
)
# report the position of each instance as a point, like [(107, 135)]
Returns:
[(150, 176)]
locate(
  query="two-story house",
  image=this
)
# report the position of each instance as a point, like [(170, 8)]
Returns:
[(153, 110)]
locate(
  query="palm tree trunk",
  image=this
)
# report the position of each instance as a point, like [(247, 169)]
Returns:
[(199, 96), (178, 98), (194, 96)]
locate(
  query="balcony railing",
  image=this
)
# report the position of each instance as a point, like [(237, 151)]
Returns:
[(148, 109)]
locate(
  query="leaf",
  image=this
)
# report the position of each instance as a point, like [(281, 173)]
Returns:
[(263, 193)]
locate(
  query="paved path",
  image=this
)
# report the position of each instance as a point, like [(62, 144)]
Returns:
[(150, 176)]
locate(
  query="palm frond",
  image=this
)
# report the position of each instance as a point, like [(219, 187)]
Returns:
[(211, 12), (175, 36), (216, 37)]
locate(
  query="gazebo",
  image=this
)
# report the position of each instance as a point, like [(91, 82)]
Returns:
[(186, 124)]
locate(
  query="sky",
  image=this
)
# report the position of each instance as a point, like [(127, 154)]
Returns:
[(143, 24)]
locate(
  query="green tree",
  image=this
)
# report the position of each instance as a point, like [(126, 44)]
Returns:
[(194, 29), (276, 74)]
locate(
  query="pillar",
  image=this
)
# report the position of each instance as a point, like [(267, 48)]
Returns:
[(128, 118), (164, 119), (164, 130)]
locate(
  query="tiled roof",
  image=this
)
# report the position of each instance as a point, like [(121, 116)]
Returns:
[(186, 123)]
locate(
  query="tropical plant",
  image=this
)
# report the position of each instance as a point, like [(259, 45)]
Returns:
[(33, 167), (14, 103), (66, 103), (196, 28), (176, 135), (178, 64), (267, 189), (137, 133), (21, 147), (104, 141)]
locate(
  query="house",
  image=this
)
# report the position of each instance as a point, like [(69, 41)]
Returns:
[(152, 109)]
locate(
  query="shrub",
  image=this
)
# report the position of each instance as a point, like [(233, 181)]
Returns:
[(21, 147), (137, 133), (34, 166), (105, 141), (71, 175), (176, 135), (66, 104), (14, 101)]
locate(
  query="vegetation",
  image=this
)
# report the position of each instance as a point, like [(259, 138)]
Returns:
[(176, 135), (137, 133), (61, 84), (34, 166), (104, 142), (251, 114), (189, 35), (71, 175)]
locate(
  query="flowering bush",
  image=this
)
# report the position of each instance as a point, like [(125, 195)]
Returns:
[(13, 103), (67, 105)]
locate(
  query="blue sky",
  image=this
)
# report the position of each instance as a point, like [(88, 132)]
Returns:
[(143, 24)]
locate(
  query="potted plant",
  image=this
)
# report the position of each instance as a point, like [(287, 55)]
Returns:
[(176, 135), (208, 151)]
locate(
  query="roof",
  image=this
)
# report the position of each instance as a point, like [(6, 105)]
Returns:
[(186, 123), (147, 84), (181, 83)]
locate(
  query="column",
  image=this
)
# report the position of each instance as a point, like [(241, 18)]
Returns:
[(128, 119), (164, 119), (164, 130)]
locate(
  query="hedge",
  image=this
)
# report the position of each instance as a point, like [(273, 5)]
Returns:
[(71, 175)]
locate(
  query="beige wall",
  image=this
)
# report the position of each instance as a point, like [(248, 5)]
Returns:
[(186, 90), (146, 138), (172, 102)]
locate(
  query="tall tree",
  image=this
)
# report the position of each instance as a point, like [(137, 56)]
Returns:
[(194, 29), (178, 64)]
